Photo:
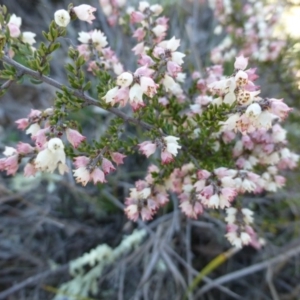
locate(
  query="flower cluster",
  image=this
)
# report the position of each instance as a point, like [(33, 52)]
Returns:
[(255, 35), (218, 139)]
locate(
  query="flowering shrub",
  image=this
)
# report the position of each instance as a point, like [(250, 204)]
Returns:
[(210, 141)]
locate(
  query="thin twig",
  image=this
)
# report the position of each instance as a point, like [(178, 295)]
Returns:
[(249, 270), (86, 98)]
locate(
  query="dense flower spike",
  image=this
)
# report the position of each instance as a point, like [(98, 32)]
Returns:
[(230, 138)]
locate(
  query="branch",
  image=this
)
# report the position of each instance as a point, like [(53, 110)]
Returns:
[(86, 98)]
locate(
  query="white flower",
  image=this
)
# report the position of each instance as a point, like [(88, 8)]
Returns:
[(248, 215), (136, 94), (168, 83), (125, 79), (84, 37), (172, 144), (28, 37), (99, 39), (231, 215), (253, 110), (52, 157), (33, 129), (156, 9), (15, 20), (9, 151), (110, 95), (62, 18)]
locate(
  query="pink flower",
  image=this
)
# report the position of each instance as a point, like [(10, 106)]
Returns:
[(173, 68), (166, 157), (136, 17), (145, 60), (139, 34), (117, 157), (40, 137), (97, 176), (14, 30), (191, 209), (148, 86), (147, 148), (74, 137), (241, 62), (29, 170), (34, 113), (84, 12), (279, 108), (11, 164), (24, 148), (81, 161), (107, 166), (22, 123)]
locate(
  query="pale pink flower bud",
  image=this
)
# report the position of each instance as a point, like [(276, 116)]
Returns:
[(173, 68), (191, 210), (241, 62), (81, 161), (40, 137), (84, 51), (24, 148), (14, 30), (11, 164), (34, 113), (74, 137), (139, 49), (203, 174), (139, 34), (84, 12), (107, 166), (22, 123), (62, 18), (279, 108), (132, 212), (143, 71), (97, 176), (117, 157), (145, 60), (166, 157), (147, 148), (136, 17), (29, 170)]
